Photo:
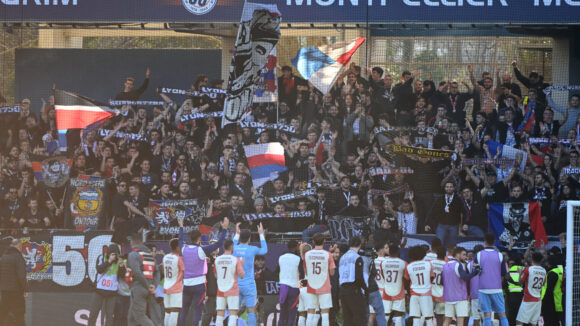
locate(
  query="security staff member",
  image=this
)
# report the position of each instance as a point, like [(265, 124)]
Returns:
[(353, 289), (515, 292), (552, 308)]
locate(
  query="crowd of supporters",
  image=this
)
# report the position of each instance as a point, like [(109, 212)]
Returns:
[(334, 147)]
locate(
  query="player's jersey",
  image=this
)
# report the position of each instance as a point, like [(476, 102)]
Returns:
[(419, 273), (317, 264), (380, 277), (247, 253), (393, 272), (430, 256), (226, 267), (534, 278), (173, 273), (437, 284)]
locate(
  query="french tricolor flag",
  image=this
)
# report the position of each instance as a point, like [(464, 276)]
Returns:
[(265, 161), (321, 66)]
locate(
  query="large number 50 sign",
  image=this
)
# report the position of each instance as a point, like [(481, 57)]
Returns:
[(73, 260)]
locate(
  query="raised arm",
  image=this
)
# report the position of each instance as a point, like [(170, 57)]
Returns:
[(263, 244), (224, 231)]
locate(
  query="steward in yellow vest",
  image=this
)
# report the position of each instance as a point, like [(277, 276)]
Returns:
[(552, 309)]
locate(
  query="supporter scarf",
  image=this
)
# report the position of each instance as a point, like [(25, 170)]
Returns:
[(546, 141), (268, 126), (140, 103), (292, 196), (571, 170), (263, 216), (424, 152), (549, 89), (390, 130), (387, 171), (209, 90), (10, 109), (167, 90), (396, 190), (497, 161), (201, 115), (119, 134)]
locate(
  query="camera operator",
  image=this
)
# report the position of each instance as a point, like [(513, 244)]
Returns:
[(374, 296), (353, 288), (110, 269)]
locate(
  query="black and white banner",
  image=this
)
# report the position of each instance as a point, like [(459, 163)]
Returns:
[(120, 134), (269, 216), (201, 115), (258, 34), (388, 171), (10, 109), (268, 126), (164, 214), (292, 196), (342, 229)]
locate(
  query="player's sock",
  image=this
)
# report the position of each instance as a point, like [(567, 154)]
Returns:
[(233, 321), (487, 321), (219, 320), (173, 318), (316, 318), (310, 320), (301, 321), (325, 319), (252, 319), (417, 322), (503, 321), (398, 321)]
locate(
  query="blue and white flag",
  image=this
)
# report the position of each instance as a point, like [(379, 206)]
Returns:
[(322, 65), (507, 152)]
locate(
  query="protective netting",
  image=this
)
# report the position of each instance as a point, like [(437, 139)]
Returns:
[(575, 218)]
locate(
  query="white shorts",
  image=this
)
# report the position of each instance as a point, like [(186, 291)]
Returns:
[(233, 303), (397, 305), (421, 306), (476, 313), (438, 307), (172, 300), (302, 307), (315, 301), (457, 309), (529, 312)]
